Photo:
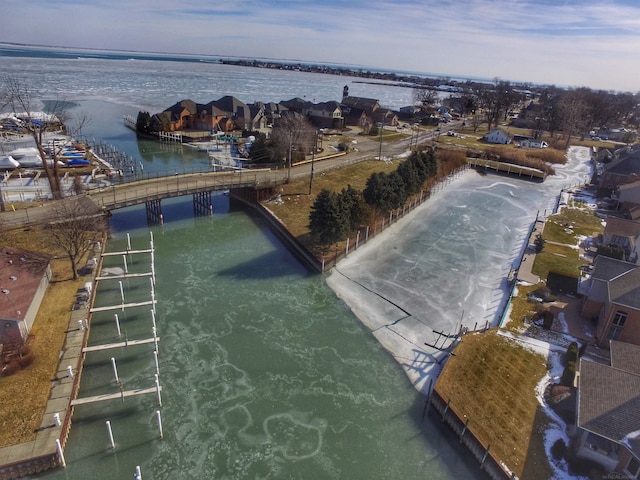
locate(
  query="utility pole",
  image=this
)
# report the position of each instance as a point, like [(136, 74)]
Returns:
[(313, 157), (290, 147), (380, 127)]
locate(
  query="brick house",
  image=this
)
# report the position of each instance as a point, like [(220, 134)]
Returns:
[(608, 419), (24, 278), (613, 300), (625, 234)]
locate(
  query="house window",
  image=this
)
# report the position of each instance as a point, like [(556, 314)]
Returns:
[(633, 467), (617, 324)]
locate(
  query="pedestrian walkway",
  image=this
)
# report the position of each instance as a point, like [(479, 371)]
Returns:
[(528, 257)]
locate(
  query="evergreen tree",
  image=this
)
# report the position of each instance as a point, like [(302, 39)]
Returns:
[(327, 221), (143, 122), (354, 207)]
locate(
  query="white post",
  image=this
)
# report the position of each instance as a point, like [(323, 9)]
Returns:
[(118, 325), (155, 337), (138, 475), (70, 371), (158, 391), (155, 358), (115, 369), (366, 235), (346, 251), (60, 453), (124, 261), (153, 292), (128, 242), (159, 423), (357, 239), (153, 318), (121, 294), (110, 432)]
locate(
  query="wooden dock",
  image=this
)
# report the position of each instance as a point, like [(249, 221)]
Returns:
[(109, 346), (123, 276), (126, 252), (114, 396), (122, 306)]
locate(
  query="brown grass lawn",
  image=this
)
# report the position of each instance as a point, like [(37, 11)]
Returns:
[(491, 381), (23, 396), (294, 212)]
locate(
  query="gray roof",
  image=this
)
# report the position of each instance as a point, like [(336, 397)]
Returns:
[(625, 289), (622, 227), (625, 356), (609, 402), (607, 268), (367, 104)]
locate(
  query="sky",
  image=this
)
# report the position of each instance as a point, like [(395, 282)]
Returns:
[(569, 43)]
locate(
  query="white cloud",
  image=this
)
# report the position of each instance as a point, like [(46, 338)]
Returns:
[(575, 43)]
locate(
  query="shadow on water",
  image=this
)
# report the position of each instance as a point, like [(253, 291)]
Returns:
[(431, 427)]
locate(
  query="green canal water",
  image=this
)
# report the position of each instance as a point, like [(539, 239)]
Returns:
[(265, 373)]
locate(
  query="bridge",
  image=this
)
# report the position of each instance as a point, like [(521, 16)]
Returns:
[(142, 191), (199, 185)]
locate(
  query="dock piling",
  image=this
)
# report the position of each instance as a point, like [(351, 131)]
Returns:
[(110, 433)]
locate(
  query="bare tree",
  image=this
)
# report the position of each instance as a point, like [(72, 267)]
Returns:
[(425, 96), (76, 223), (18, 96), (573, 111), (293, 136)]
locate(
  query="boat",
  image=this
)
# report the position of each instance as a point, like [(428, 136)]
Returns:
[(8, 163), (27, 161), (78, 162), (23, 152)]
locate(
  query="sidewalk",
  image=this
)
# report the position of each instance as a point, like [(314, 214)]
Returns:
[(528, 257)]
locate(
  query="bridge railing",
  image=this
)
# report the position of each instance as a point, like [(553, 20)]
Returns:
[(137, 176), (134, 193)]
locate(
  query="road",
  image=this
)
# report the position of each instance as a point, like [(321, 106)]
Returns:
[(133, 193)]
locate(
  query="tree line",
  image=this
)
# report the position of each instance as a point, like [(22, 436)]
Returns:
[(334, 215)]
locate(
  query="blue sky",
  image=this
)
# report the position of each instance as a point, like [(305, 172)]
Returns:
[(593, 43)]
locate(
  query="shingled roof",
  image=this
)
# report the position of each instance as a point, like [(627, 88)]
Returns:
[(20, 274), (609, 397)]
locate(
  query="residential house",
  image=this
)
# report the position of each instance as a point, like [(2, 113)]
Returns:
[(325, 115), (623, 233), (498, 136), (624, 168), (177, 117), (296, 104), (210, 118), (359, 111), (628, 196), (24, 278), (612, 300), (258, 114), (608, 423), (386, 117), (533, 143), (236, 110)]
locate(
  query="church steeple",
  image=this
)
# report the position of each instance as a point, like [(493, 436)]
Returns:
[(345, 92)]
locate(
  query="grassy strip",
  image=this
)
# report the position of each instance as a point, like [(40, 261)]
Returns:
[(491, 381), (24, 395)]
